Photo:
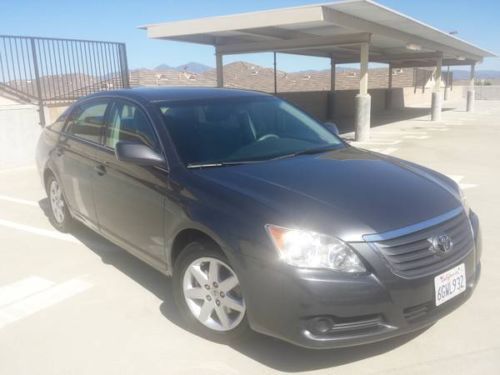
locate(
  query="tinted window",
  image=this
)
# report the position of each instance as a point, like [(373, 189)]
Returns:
[(58, 125), (87, 121), (129, 123), (242, 129)]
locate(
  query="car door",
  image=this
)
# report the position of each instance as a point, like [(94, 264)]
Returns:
[(75, 156), (130, 198)]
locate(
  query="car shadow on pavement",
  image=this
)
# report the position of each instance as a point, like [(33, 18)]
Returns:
[(269, 351), (286, 357)]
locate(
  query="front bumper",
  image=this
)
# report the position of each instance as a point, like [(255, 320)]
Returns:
[(299, 305)]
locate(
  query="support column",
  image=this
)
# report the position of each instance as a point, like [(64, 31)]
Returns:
[(363, 99), (436, 93), (471, 92), (388, 93), (331, 97), (275, 77), (446, 83), (219, 67)]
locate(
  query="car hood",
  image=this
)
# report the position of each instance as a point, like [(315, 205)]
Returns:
[(347, 192)]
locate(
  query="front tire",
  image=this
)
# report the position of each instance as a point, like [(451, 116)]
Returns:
[(59, 215), (208, 293)]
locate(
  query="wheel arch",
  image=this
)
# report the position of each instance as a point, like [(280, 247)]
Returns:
[(189, 234), (47, 172)]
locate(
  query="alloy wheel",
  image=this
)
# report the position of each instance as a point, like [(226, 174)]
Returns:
[(56, 201), (212, 292)]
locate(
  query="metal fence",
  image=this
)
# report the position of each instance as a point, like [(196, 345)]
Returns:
[(47, 71)]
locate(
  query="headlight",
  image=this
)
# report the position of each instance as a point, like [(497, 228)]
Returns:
[(463, 199), (307, 249)]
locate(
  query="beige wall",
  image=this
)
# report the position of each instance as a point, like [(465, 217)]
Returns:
[(316, 102), (19, 132), (53, 112), (410, 96), (344, 101), (313, 102), (7, 101)]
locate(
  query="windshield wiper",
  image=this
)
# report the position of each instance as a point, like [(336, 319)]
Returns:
[(310, 151), (220, 164)]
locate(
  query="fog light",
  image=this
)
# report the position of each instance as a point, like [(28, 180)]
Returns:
[(321, 325)]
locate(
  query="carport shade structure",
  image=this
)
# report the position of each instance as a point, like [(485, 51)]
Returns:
[(350, 31)]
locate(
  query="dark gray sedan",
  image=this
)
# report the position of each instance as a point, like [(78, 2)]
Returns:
[(264, 217)]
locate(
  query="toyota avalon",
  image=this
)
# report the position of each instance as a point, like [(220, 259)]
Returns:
[(264, 218)]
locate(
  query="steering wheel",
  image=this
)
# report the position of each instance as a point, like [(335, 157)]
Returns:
[(267, 136)]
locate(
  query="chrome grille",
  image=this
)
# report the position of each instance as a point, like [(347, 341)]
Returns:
[(411, 255)]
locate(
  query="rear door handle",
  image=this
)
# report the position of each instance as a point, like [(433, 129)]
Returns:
[(100, 169)]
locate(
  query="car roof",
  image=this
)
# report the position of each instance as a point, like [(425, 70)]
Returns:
[(159, 94)]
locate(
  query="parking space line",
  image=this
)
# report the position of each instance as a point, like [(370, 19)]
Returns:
[(400, 132), (22, 289), (42, 300), (385, 151), (38, 231), (20, 201), (389, 150), (18, 169), (416, 137), (368, 143), (438, 129), (458, 180)]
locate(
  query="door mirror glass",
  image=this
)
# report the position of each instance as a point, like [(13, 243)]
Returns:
[(332, 127), (137, 153)]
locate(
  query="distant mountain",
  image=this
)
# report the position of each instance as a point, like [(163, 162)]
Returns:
[(480, 74), (164, 67), (194, 67)]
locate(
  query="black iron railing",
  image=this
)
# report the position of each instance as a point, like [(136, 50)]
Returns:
[(50, 71)]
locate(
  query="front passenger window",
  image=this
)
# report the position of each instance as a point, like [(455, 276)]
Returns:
[(87, 121), (129, 123)]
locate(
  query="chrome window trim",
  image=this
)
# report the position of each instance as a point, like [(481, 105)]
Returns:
[(413, 228)]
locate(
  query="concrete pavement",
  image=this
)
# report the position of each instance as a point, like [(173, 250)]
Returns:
[(77, 304)]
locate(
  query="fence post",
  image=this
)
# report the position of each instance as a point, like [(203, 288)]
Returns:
[(124, 65), (41, 112)]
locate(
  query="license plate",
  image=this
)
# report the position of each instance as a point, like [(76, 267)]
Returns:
[(449, 284)]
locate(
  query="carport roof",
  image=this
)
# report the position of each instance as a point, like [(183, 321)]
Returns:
[(328, 30)]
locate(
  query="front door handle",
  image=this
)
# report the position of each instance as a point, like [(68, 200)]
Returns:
[(100, 169), (59, 151)]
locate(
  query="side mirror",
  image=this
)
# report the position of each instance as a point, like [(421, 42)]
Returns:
[(332, 127), (137, 153)]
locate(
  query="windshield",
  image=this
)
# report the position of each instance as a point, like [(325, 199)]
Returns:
[(242, 129)]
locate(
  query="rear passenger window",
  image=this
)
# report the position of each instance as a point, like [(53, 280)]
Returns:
[(128, 123), (87, 121)]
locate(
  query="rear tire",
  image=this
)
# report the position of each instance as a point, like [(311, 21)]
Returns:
[(59, 215), (208, 293)]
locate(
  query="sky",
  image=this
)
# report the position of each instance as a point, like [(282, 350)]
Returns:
[(477, 21)]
